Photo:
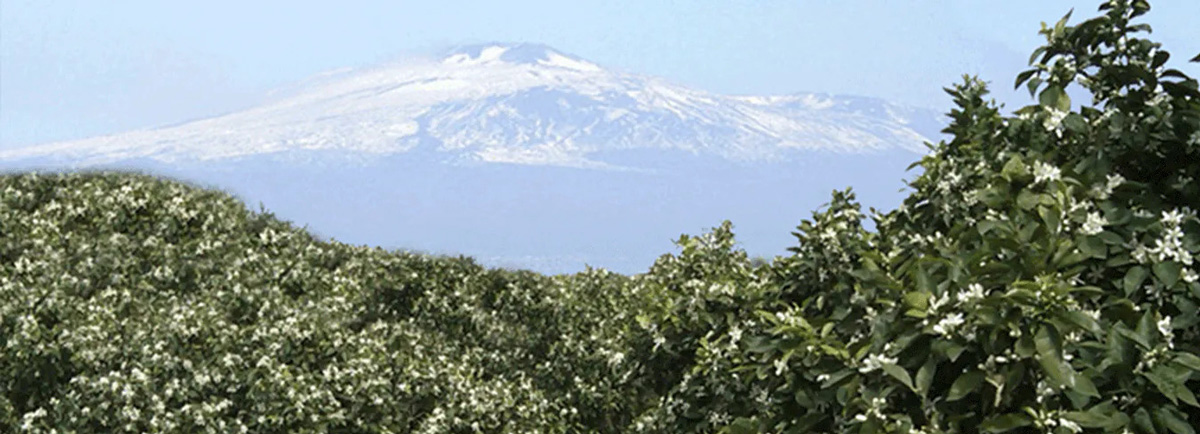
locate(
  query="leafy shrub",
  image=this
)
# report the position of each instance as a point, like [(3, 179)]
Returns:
[(134, 304), (1040, 278)]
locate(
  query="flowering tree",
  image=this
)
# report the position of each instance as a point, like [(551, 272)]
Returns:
[(1040, 278)]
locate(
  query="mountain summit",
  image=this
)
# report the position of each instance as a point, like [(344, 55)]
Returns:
[(512, 103), (517, 54)]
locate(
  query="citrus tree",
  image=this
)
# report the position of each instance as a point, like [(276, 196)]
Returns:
[(1041, 276)]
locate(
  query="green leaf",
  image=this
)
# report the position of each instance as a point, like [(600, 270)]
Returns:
[(1085, 387), (1174, 73), (1062, 23), (1104, 415), (1160, 58), (995, 196), (1076, 123), (1168, 272), (925, 283), (1111, 238), (1088, 419), (1015, 169), (1147, 329), (1081, 320), (1189, 360), (871, 426), (759, 344), (1186, 395), (1141, 420), (898, 372), (1054, 97), (986, 226), (836, 378), (1168, 380), (1142, 340), (1134, 278), (1006, 422), (741, 425), (1025, 346), (1049, 349), (1036, 52), (1173, 420), (1033, 85), (1022, 77), (925, 376), (1093, 247), (965, 384), (806, 422), (950, 349), (917, 300), (1087, 290), (1027, 199)]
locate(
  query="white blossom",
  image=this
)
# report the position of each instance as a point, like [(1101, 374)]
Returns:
[(973, 293), (948, 324), (1112, 181), (1164, 328), (875, 361), (874, 410), (1043, 172), (735, 334), (937, 301), (780, 366), (1172, 218), (1069, 425), (1053, 121), (1094, 224)]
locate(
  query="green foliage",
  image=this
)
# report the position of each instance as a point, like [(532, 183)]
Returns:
[(1041, 277), (132, 304)]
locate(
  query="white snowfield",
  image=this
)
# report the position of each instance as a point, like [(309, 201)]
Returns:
[(512, 103)]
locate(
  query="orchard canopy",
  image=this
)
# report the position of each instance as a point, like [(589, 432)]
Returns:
[(1040, 278)]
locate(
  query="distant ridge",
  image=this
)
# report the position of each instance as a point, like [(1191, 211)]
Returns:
[(519, 103)]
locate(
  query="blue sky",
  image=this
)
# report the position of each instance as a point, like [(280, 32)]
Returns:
[(71, 69)]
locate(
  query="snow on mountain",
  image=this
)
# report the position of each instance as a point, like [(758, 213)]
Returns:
[(512, 103), (521, 54)]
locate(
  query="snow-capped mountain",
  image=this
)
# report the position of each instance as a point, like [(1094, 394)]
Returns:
[(524, 156), (512, 103)]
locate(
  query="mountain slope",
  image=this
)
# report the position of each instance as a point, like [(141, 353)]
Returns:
[(512, 103)]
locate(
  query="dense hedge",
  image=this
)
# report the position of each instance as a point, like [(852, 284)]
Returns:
[(1041, 277)]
